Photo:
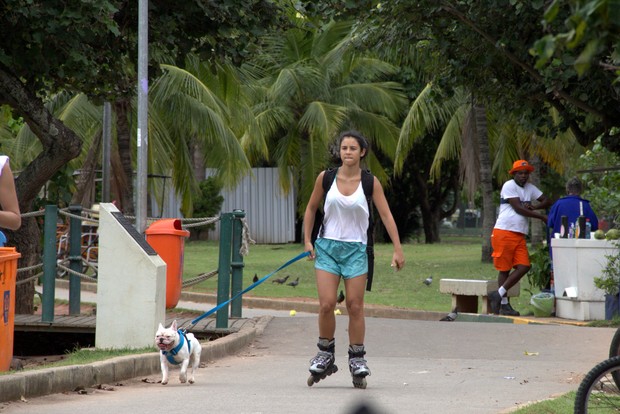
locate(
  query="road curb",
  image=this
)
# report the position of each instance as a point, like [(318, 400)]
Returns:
[(37, 383), (370, 310), (299, 305)]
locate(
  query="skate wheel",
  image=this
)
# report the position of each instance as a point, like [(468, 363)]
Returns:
[(359, 382), (314, 378)]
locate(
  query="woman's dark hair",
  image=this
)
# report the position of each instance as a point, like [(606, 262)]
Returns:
[(361, 140)]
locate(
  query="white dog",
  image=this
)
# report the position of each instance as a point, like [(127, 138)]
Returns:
[(177, 348)]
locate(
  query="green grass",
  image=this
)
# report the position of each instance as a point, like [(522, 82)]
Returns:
[(89, 355), (456, 257), (86, 356), (563, 404)]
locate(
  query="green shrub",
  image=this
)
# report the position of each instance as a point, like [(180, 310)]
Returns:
[(609, 281), (207, 204), (540, 272), (600, 185)]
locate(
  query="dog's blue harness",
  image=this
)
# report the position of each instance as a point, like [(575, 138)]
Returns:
[(173, 352)]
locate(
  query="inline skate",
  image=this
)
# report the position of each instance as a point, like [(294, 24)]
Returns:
[(357, 366), (323, 364)]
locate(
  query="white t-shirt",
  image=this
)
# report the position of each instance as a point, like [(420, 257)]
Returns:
[(508, 218), (346, 217)]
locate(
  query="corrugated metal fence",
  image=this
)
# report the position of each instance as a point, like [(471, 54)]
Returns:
[(270, 213)]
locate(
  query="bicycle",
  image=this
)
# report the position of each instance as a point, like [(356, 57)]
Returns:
[(89, 251), (599, 391)]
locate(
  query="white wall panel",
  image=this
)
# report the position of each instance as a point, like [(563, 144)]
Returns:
[(270, 213)]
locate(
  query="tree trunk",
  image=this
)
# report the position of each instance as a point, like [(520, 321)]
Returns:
[(538, 229), (88, 174), (27, 241), (124, 150), (432, 196), (430, 222), (198, 160), (118, 184), (486, 182), (59, 146)]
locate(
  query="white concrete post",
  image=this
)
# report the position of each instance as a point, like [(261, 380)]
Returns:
[(131, 286)]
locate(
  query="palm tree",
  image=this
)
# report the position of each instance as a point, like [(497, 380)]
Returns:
[(185, 115), (200, 108), (310, 85), (486, 143), (464, 137)]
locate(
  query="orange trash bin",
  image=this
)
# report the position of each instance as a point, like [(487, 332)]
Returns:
[(8, 274), (167, 237)]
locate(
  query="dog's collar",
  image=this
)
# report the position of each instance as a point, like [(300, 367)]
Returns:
[(173, 352)]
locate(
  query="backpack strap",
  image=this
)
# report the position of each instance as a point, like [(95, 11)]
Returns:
[(328, 179), (368, 182), (329, 176)]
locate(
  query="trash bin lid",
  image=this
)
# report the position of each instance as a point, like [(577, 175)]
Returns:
[(167, 226)]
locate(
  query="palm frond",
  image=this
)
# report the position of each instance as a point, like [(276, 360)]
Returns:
[(450, 145), (175, 81), (383, 98), (419, 118), (319, 118), (381, 132), (333, 42)]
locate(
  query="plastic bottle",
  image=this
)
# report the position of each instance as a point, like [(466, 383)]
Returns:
[(581, 223), (564, 227), (588, 229)]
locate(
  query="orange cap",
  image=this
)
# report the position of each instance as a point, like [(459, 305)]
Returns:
[(521, 165)]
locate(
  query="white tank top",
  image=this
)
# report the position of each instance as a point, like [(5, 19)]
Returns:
[(3, 160), (346, 217)]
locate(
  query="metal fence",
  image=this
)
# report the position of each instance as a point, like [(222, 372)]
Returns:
[(269, 212)]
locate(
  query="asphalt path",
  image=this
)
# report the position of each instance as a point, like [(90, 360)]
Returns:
[(417, 367)]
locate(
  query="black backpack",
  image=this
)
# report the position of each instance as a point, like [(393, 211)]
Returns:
[(368, 181)]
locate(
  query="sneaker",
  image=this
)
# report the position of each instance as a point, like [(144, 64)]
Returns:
[(512, 309), (507, 310), (495, 300)]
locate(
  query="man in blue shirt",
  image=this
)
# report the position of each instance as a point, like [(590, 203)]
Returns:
[(571, 206)]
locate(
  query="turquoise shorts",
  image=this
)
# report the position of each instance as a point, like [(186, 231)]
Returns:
[(346, 259)]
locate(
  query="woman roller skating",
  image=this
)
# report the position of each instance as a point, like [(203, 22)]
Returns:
[(340, 252)]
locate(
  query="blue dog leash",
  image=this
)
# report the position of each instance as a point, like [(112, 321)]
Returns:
[(247, 289)]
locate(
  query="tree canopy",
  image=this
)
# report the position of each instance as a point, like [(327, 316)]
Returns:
[(314, 85), (492, 48), (90, 47)]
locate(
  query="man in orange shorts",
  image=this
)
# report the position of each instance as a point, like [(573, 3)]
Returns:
[(508, 238)]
